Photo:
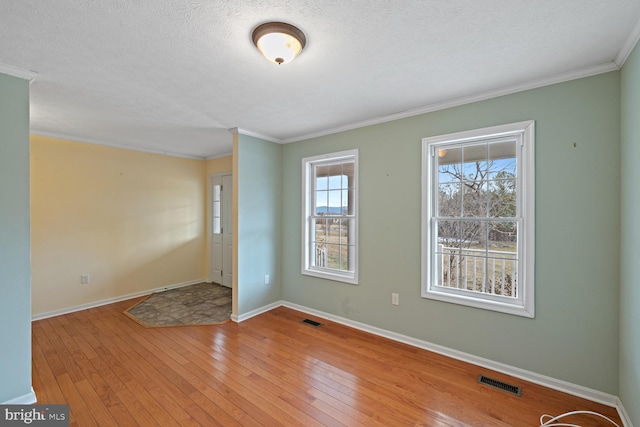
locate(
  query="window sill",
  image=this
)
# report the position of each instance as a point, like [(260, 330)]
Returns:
[(517, 308), (350, 279)]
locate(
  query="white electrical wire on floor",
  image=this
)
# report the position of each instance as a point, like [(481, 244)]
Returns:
[(552, 421)]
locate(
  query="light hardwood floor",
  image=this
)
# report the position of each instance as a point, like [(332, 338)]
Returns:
[(271, 370)]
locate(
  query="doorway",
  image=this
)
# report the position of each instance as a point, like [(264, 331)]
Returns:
[(221, 230)]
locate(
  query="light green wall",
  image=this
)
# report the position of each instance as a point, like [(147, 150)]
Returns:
[(15, 280), (630, 240), (574, 336), (259, 222)]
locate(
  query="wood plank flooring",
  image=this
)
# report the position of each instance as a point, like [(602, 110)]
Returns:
[(271, 370)]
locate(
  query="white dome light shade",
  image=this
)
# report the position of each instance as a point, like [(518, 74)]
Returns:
[(279, 42), (278, 47)]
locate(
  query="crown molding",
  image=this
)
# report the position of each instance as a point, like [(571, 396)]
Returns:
[(255, 135), (628, 45), (18, 72), (109, 144), (547, 81), (555, 79), (219, 156)]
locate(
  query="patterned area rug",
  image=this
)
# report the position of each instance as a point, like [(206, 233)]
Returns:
[(200, 304)]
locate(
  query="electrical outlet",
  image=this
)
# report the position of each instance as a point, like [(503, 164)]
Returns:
[(84, 279), (395, 299), (266, 279)]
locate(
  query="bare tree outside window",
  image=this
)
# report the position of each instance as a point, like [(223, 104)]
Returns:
[(476, 217)]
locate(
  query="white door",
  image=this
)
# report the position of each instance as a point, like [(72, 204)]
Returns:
[(216, 229), (227, 231), (221, 229)]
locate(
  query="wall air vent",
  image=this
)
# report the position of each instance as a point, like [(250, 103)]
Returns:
[(500, 385), (312, 322)]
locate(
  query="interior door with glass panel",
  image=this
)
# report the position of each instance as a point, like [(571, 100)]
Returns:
[(227, 236), (221, 229)]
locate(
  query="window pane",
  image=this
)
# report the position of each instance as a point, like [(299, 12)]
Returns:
[(344, 196), (335, 202), (502, 157), (474, 197), (320, 255), (472, 268), (320, 230), (502, 198), (216, 205), (345, 178), (322, 180), (449, 165), (335, 181), (473, 234), (344, 258), (503, 235), (334, 230), (333, 256), (448, 266), (321, 202), (449, 200), (343, 231), (348, 231), (348, 169), (502, 258), (449, 233), (475, 159), (334, 243)]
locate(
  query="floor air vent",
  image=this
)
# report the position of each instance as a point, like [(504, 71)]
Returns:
[(312, 322), (500, 385)]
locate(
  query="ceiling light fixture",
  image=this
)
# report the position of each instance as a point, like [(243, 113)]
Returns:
[(279, 42)]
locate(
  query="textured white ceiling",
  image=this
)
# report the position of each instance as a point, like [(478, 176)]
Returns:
[(175, 75)]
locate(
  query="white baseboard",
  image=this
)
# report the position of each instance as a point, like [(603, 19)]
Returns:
[(112, 300), (624, 416), (257, 311), (543, 380), (25, 399)]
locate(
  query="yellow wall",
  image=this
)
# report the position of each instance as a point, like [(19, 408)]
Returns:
[(133, 221), (217, 166)]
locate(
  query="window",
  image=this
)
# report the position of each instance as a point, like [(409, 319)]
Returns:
[(478, 218), (217, 211), (330, 216)]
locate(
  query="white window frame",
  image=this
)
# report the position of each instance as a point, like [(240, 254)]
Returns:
[(524, 304), (308, 192)]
